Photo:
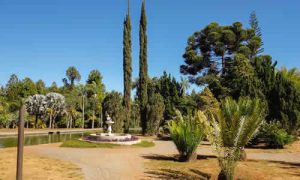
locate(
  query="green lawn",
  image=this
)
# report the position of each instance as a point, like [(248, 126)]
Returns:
[(84, 144)]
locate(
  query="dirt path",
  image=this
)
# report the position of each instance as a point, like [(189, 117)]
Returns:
[(128, 163)]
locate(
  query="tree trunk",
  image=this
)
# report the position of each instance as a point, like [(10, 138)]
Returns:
[(188, 159), (243, 155), (223, 64), (225, 176), (93, 121), (36, 120), (50, 122), (82, 112), (68, 122)]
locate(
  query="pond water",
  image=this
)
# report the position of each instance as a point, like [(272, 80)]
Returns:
[(12, 141)]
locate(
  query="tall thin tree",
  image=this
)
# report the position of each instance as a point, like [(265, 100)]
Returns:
[(127, 68), (254, 23), (143, 74)]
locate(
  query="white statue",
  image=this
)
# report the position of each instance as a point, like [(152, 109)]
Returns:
[(109, 122)]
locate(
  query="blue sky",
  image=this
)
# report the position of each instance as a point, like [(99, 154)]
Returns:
[(41, 38)]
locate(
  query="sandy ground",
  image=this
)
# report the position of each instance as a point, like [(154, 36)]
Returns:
[(36, 167), (126, 162)]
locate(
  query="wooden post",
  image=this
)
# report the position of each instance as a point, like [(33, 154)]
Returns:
[(20, 143)]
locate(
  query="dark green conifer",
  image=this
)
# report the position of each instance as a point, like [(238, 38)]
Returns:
[(127, 68), (143, 74)]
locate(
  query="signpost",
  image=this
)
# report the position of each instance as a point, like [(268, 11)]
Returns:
[(20, 143)]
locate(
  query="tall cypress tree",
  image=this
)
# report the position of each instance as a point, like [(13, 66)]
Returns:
[(127, 69), (143, 74)]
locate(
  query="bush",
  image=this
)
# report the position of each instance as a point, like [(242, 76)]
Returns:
[(187, 134), (274, 135)]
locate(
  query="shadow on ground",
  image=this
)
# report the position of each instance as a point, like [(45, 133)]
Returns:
[(167, 174), (173, 157)]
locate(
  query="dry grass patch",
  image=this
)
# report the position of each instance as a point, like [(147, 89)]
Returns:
[(36, 167), (166, 167)]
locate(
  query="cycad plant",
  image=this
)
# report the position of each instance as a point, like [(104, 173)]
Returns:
[(234, 125), (186, 133)]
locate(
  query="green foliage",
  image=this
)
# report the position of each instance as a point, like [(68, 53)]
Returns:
[(84, 144), (144, 144), (72, 75), (127, 69), (40, 87), (214, 45), (143, 69), (254, 24), (112, 106), (206, 102), (94, 91), (155, 111), (291, 74), (274, 135), (285, 104), (170, 90), (233, 127), (186, 134)]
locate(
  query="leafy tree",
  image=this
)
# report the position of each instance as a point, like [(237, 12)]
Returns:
[(285, 104), (112, 106), (36, 105), (155, 112), (55, 107), (13, 88), (28, 88), (143, 73), (234, 126), (72, 104), (240, 79), (184, 84), (207, 102), (95, 76), (53, 88), (170, 90), (95, 91), (135, 114), (6, 117), (127, 69), (254, 24), (82, 93), (72, 75), (293, 75), (215, 45), (40, 87)]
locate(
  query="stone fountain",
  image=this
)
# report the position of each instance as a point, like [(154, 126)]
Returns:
[(114, 138)]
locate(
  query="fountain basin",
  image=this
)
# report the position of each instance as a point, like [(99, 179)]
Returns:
[(113, 138)]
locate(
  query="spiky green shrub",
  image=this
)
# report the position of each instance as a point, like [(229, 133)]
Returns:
[(186, 133), (233, 127)]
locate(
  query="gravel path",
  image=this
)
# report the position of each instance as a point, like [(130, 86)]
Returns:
[(128, 163)]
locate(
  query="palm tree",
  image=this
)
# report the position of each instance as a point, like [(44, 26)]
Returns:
[(233, 127), (82, 93), (293, 75), (73, 74), (184, 84)]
